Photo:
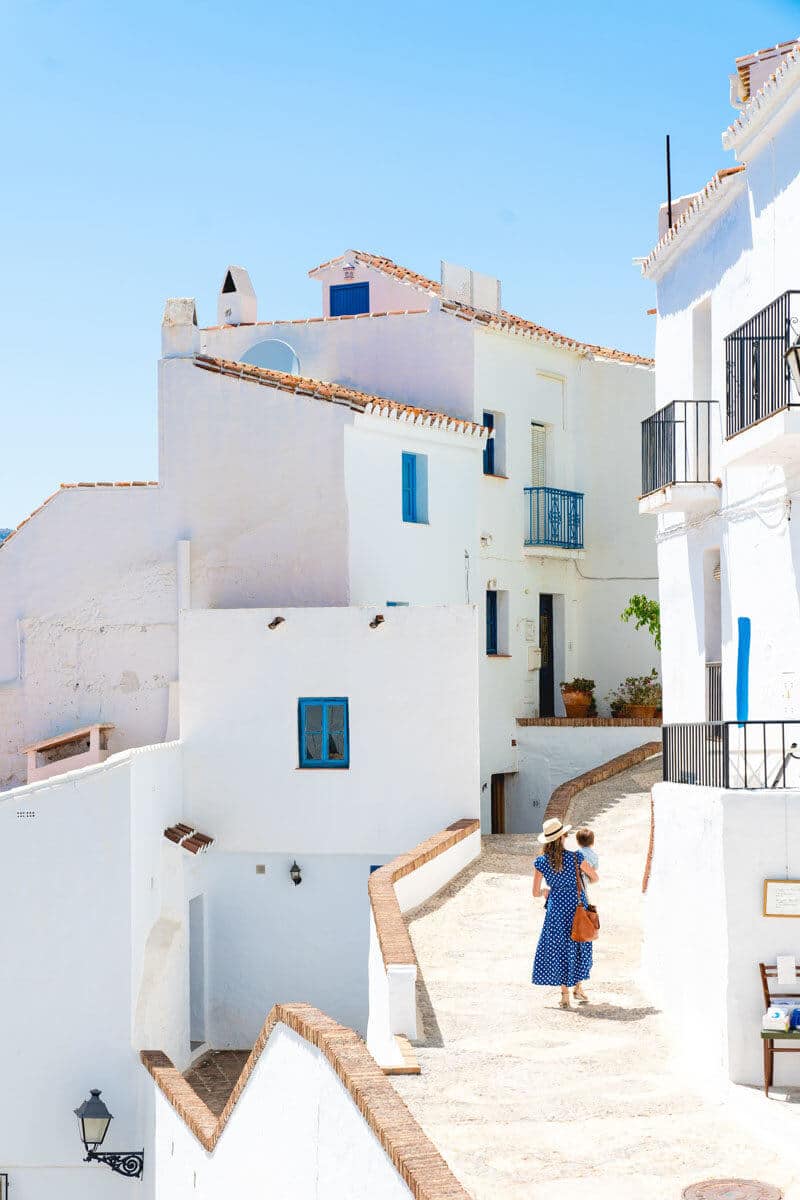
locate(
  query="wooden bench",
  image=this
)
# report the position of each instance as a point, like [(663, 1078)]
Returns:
[(769, 982), (78, 748)]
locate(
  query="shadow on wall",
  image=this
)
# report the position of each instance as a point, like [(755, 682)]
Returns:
[(774, 171)]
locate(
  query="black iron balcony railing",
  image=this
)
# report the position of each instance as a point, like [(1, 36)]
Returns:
[(733, 754), (554, 517), (758, 381), (713, 691), (676, 444)]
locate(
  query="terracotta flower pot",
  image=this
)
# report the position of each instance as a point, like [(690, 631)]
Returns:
[(576, 704), (641, 712)]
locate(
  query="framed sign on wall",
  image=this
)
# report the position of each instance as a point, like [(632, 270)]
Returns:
[(782, 897)]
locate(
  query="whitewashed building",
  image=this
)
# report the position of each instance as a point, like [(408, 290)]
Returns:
[(721, 473), (542, 536), (229, 694)]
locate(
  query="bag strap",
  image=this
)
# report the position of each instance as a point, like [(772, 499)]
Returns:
[(578, 880)]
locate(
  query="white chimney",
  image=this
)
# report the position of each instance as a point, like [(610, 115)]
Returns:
[(180, 336), (236, 303), (464, 286)]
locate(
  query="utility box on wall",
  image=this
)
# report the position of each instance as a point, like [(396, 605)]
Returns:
[(534, 658)]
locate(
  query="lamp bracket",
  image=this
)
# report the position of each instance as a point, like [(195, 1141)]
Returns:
[(129, 1163)]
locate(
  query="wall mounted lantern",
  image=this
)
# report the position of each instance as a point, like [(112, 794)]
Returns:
[(93, 1122), (377, 620), (294, 874), (792, 357), (275, 622)]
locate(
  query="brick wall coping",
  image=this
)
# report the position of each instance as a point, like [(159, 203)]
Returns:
[(596, 722), (561, 800), (413, 1155), (393, 936)]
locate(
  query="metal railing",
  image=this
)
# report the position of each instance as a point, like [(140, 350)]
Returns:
[(757, 376), (733, 754), (676, 444), (713, 691), (554, 518)]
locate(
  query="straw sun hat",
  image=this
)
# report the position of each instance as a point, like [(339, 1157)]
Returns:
[(552, 830)]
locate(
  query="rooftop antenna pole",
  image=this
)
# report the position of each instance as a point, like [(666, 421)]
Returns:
[(669, 186)]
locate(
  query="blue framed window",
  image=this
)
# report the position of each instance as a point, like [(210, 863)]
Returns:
[(323, 732), (491, 622), (415, 488), (488, 449), (348, 299)]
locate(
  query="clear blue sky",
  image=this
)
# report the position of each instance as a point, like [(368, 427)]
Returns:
[(147, 146)]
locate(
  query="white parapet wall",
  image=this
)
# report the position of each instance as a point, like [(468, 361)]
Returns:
[(705, 932), (311, 1116), (549, 755), (395, 889)]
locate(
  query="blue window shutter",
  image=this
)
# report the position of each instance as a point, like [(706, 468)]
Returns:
[(323, 729), (743, 670), (349, 299), (409, 487), (491, 622), (488, 449)]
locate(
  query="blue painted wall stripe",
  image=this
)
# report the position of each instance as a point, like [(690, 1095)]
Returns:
[(743, 670)]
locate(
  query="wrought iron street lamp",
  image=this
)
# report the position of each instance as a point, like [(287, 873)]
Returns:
[(295, 874), (792, 357), (93, 1122)]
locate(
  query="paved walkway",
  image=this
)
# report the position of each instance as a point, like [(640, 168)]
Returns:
[(529, 1102)]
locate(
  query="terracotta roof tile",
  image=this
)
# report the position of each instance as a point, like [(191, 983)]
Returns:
[(188, 838), (759, 104), (336, 393), (701, 203), (746, 61), (503, 320)]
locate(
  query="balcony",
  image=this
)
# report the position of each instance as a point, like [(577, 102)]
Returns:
[(553, 522), (677, 446), (762, 418), (734, 755)]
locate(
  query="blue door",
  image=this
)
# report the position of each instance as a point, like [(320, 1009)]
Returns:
[(348, 299)]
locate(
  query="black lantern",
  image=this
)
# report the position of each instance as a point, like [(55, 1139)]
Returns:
[(93, 1122), (792, 357), (294, 874)]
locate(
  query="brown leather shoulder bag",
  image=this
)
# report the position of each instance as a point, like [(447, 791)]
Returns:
[(586, 922)]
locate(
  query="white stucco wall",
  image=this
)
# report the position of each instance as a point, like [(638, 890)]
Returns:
[(295, 1131), (549, 755), (72, 962), (704, 929), (411, 686)]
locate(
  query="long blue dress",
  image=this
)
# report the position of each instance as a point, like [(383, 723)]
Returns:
[(559, 961)]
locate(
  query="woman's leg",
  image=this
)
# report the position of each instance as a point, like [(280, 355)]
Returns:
[(565, 1001), (580, 994)]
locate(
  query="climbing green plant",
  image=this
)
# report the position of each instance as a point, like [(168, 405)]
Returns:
[(646, 613)]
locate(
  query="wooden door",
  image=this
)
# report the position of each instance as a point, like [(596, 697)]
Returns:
[(546, 674), (498, 804)]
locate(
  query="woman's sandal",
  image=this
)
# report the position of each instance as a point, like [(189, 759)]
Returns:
[(564, 1002), (580, 995)]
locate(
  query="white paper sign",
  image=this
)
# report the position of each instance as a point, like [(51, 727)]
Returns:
[(782, 897)]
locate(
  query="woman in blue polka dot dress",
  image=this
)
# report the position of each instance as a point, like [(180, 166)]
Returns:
[(560, 962)]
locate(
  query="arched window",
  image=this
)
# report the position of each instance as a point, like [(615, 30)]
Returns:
[(274, 355)]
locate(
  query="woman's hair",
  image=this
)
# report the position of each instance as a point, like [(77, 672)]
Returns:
[(555, 853)]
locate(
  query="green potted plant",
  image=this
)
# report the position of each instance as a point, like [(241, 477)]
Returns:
[(639, 697), (578, 697)]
